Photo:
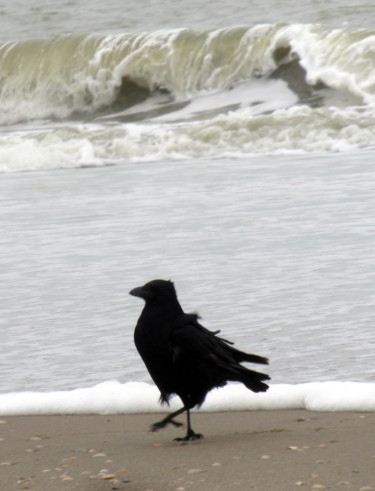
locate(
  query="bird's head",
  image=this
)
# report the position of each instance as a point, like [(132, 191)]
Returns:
[(158, 290)]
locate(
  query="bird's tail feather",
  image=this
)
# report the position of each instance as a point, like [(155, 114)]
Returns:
[(250, 378), (254, 358), (241, 356), (253, 380), (256, 386)]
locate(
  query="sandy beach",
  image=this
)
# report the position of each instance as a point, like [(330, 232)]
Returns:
[(257, 450)]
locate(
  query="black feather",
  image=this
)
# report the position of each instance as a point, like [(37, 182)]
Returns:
[(185, 358)]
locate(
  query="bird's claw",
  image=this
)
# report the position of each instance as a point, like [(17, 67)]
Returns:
[(162, 424), (189, 437), (157, 426)]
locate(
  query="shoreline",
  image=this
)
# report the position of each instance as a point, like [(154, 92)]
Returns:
[(246, 450)]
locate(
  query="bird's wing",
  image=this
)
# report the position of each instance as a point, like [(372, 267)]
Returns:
[(198, 353), (189, 337)]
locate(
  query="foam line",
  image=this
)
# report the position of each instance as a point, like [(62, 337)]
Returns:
[(112, 397)]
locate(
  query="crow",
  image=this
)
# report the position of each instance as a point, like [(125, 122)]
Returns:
[(185, 358)]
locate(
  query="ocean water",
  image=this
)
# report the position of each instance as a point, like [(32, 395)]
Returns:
[(230, 150)]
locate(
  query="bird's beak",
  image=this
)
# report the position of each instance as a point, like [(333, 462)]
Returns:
[(141, 292), (137, 292)]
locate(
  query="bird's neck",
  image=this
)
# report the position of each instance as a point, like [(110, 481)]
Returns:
[(168, 311)]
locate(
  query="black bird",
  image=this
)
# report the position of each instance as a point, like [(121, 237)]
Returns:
[(185, 358)]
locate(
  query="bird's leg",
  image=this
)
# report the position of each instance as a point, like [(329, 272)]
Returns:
[(168, 419), (190, 435)]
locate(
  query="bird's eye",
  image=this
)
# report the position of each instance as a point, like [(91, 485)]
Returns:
[(151, 292)]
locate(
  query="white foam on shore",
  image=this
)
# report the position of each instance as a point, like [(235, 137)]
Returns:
[(112, 397)]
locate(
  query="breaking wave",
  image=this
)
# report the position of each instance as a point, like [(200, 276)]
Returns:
[(96, 99), (85, 74)]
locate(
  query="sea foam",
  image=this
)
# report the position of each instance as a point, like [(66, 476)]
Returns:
[(112, 397)]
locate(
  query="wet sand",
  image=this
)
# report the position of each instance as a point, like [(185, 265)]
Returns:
[(250, 450)]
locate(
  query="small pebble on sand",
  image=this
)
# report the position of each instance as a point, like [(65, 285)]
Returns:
[(107, 476), (67, 478), (295, 449)]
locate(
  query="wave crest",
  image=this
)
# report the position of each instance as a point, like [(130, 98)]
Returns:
[(76, 76)]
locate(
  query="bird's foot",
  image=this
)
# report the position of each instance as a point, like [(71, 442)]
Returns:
[(190, 436), (162, 424)]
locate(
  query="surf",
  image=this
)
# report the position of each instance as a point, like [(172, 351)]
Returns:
[(74, 101), (79, 75)]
